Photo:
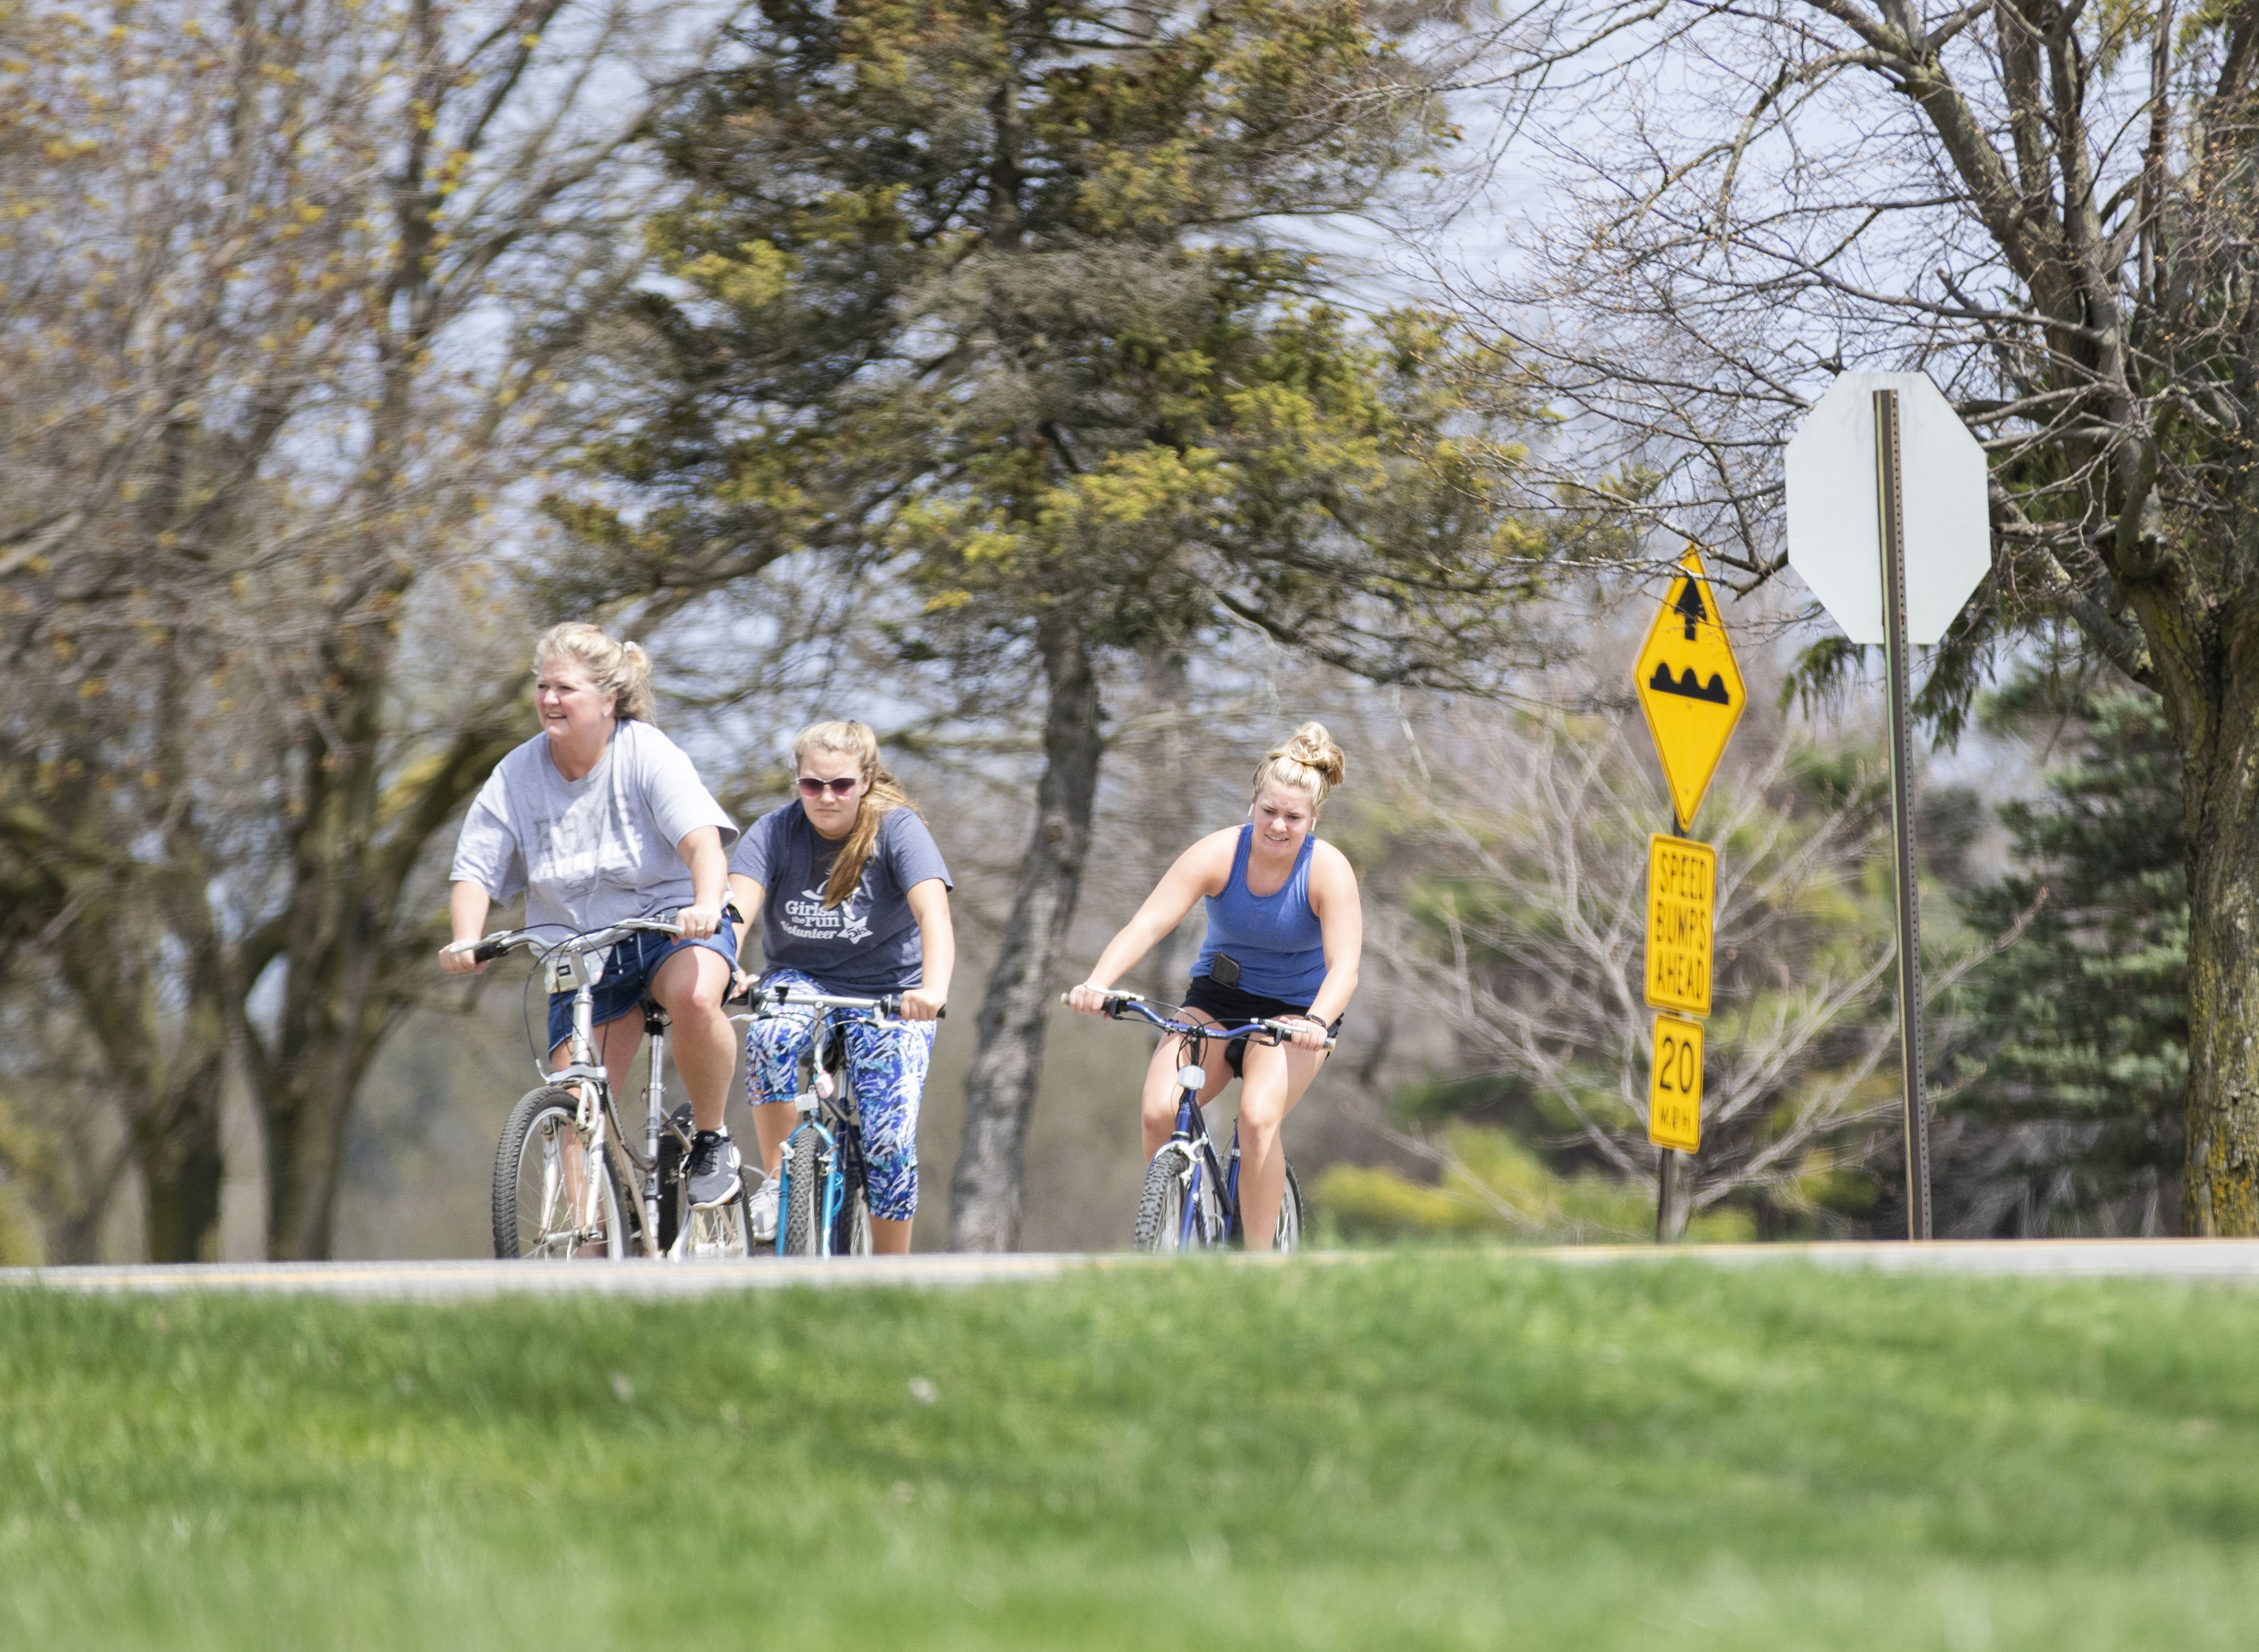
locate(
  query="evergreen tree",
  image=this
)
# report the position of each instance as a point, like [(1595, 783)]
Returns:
[(2070, 1122), (991, 294)]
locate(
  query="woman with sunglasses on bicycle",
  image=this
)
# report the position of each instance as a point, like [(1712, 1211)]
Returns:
[(600, 818), (853, 898), (1285, 934)]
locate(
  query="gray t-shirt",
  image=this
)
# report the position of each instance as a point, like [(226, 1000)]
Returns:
[(867, 944), (596, 850)]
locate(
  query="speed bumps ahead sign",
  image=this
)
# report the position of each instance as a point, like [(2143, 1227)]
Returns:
[(1674, 1085), (1690, 686), (1682, 893)]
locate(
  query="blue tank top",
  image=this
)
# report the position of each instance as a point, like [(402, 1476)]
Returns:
[(1275, 938)]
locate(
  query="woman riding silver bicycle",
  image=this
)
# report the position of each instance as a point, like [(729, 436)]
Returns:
[(600, 819)]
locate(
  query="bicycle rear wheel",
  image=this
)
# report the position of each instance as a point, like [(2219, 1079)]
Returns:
[(800, 1221), (553, 1199), (850, 1235), (1290, 1213), (670, 1156), (1162, 1224)]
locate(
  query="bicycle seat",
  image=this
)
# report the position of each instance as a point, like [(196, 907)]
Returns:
[(654, 1018)]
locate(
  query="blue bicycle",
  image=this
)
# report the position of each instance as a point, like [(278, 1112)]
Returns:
[(824, 1200), (1191, 1202)]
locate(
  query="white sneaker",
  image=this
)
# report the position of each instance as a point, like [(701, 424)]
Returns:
[(764, 1213)]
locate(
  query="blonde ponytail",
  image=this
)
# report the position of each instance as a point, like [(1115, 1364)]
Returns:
[(856, 740), (1309, 763), (622, 670)]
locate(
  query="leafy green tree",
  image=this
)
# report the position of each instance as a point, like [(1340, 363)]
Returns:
[(2080, 1066), (991, 297)]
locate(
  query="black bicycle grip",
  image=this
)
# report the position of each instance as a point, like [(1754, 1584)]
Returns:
[(487, 952)]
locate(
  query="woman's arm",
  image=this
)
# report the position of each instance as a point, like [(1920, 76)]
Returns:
[(1341, 927), (701, 850), (929, 901), (746, 896), (1199, 871), (466, 916)]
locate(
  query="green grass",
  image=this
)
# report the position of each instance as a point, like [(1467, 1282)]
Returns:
[(1416, 1451)]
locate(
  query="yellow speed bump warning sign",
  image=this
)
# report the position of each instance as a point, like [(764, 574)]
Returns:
[(1690, 687), (1674, 1085), (1682, 890)]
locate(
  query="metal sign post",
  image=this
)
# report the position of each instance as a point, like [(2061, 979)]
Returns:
[(1690, 685), (1936, 549), (1890, 512), (1666, 1159)]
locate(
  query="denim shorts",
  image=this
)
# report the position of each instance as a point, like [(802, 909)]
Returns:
[(627, 975)]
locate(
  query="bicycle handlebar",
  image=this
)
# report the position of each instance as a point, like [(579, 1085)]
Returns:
[(761, 1000), (1118, 1004), (488, 947)]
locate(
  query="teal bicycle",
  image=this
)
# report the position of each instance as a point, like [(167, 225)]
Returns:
[(823, 1200)]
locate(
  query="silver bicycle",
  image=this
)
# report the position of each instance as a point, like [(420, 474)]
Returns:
[(563, 1158)]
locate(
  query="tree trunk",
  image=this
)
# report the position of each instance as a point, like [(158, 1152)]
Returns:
[(355, 940), (165, 1081), (999, 1090), (182, 1169), (341, 920), (2221, 1195)]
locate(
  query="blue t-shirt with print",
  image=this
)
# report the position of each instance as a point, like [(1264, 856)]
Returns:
[(868, 944)]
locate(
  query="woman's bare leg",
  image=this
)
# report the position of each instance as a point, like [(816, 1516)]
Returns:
[(1273, 1078), (1157, 1109), (890, 1238)]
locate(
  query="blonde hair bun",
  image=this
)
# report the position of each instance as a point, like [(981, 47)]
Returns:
[(620, 669), (1309, 762)]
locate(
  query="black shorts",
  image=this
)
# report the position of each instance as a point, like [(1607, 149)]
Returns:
[(1236, 1007)]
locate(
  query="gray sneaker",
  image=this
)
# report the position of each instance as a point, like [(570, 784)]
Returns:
[(713, 1170), (764, 1216)]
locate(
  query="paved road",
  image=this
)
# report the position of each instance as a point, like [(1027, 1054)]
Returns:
[(2215, 1259)]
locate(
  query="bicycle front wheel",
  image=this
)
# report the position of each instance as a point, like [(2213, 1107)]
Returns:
[(716, 1233), (1171, 1214), (553, 1200), (800, 1223)]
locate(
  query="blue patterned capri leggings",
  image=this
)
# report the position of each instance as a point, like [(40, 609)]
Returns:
[(886, 1064)]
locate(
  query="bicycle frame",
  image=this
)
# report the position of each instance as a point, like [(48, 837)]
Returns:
[(1192, 1130), (596, 1117)]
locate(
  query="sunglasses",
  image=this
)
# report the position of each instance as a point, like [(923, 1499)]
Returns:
[(809, 788)]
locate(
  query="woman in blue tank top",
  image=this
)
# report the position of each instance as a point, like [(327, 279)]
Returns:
[(1284, 933)]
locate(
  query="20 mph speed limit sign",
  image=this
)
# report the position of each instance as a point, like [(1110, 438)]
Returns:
[(1674, 1088)]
